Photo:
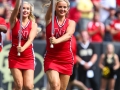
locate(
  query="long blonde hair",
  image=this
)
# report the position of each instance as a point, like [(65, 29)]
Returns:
[(31, 16), (67, 1)]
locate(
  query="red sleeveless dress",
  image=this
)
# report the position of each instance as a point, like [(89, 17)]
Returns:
[(59, 58), (27, 58)]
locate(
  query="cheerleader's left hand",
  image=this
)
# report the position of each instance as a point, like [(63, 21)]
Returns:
[(20, 49), (53, 40)]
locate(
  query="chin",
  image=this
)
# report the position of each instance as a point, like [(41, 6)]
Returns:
[(62, 15), (25, 16)]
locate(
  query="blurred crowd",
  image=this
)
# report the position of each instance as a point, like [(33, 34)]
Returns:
[(100, 19)]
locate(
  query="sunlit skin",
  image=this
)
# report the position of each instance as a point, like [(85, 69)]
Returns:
[(26, 10), (61, 8), (96, 17)]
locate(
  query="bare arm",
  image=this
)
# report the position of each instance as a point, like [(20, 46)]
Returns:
[(93, 59), (48, 14), (14, 13), (3, 28), (69, 32), (101, 61), (91, 33), (113, 31), (117, 64), (32, 35)]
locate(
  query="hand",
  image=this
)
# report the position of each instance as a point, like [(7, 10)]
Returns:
[(53, 40), (20, 49), (86, 66)]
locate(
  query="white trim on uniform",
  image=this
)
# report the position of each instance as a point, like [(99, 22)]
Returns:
[(59, 24)]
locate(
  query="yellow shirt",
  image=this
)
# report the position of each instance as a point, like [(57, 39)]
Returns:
[(85, 5)]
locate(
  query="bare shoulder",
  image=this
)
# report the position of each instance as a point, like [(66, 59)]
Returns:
[(115, 56), (71, 22), (34, 24)]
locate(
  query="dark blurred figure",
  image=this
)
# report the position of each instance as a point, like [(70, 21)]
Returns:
[(73, 78), (2, 10), (41, 29), (109, 64), (86, 55), (72, 3), (115, 27), (108, 36)]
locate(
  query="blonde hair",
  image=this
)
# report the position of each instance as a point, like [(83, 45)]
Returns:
[(31, 16), (57, 1), (67, 1)]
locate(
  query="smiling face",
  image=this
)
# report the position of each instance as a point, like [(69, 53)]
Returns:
[(61, 8), (26, 10)]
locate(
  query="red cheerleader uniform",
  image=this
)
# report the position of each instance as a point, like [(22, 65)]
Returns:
[(26, 59), (59, 58), (2, 22)]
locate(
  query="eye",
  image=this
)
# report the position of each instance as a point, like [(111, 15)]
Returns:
[(28, 8), (60, 6), (65, 7), (23, 7)]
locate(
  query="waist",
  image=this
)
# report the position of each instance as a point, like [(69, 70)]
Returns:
[(15, 45)]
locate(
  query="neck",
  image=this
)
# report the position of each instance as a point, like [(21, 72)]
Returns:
[(25, 19), (112, 16), (84, 42), (60, 18)]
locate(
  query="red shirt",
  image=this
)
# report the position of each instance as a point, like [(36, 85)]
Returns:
[(93, 26), (118, 2), (2, 22), (74, 14), (116, 26), (95, 1)]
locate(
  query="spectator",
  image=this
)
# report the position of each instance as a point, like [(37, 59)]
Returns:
[(105, 6), (41, 34), (2, 10), (86, 55), (86, 9), (76, 17), (96, 29), (109, 63), (73, 80), (118, 3), (108, 36), (115, 27)]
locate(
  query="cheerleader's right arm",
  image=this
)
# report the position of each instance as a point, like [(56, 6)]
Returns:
[(15, 13), (48, 15), (117, 64), (101, 66)]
